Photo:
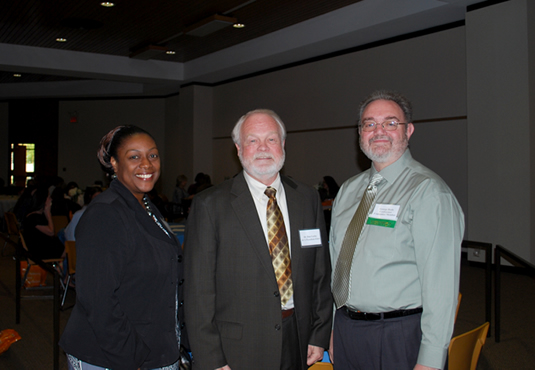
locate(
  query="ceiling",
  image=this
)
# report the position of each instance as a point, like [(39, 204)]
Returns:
[(96, 58)]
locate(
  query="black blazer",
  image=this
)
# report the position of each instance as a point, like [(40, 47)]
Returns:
[(127, 274), (232, 302)]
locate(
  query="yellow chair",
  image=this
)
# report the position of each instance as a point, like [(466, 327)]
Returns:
[(458, 305), (59, 223), (464, 349), (321, 366), (70, 249)]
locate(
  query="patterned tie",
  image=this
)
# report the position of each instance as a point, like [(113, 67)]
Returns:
[(342, 272), (278, 247)]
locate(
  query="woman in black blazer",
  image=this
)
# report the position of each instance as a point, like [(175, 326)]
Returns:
[(128, 311)]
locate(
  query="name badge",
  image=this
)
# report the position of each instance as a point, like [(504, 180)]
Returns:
[(310, 238), (384, 215)]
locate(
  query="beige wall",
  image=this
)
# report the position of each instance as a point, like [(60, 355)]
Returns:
[(78, 142), (322, 97)]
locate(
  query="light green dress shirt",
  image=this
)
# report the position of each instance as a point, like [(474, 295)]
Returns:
[(415, 263)]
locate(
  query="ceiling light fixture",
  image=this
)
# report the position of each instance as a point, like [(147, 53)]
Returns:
[(107, 4), (148, 52), (17, 75), (238, 25), (61, 39), (170, 52), (209, 25)]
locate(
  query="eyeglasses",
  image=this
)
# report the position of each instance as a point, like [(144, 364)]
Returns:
[(386, 125)]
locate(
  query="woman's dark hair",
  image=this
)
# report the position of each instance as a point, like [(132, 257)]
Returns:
[(89, 192), (39, 199), (331, 185), (112, 141)]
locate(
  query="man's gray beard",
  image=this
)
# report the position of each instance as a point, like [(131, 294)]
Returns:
[(384, 156), (270, 171)]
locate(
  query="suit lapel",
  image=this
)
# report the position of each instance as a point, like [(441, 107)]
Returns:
[(294, 200), (243, 205)]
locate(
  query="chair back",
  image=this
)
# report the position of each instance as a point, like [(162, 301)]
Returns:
[(59, 223), (22, 241), (70, 249), (464, 349), (321, 366), (11, 223), (458, 305)]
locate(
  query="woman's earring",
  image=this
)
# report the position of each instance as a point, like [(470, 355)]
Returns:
[(113, 176)]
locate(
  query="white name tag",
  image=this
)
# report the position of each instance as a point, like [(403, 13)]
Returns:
[(385, 212), (385, 215), (310, 238)]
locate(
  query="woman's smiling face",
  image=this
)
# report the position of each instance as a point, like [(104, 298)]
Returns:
[(137, 165)]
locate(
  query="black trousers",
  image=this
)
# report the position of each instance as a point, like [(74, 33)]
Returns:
[(376, 345), (291, 355)]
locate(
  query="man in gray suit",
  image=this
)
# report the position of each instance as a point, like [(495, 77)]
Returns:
[(257, 291)]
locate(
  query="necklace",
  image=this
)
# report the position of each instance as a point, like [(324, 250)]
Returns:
[(152, 215)]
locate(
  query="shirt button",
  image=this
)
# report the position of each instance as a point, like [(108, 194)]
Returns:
[(277, 327)]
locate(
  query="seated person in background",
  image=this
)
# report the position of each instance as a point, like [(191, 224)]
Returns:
[(180, 195), (90, 193), (159, 202), (24, 203), (205, 183), (62, 205), (38, 229), (199, 180), (331, 186)]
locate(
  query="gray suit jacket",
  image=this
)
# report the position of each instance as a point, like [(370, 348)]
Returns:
[(232, 304)]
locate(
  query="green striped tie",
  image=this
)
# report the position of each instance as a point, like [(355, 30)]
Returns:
[(342, 272)]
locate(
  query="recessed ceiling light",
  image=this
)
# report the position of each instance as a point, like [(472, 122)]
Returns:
[(238, 25), (107, 4), (170, 52), (17, 75), (61, 39)]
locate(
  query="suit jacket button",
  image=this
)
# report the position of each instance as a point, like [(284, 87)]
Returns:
[(277, 327), (179, 258), (181, 282), (276, 294)]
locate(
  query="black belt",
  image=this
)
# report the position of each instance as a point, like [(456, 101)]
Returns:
[(357, 315)]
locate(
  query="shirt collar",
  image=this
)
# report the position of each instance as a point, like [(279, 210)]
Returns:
[(390, 173), (257, 188)]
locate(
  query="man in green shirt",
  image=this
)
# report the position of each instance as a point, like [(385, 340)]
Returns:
[(395, 272)]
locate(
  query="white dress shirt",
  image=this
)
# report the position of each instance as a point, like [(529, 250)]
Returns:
[(260, 199)]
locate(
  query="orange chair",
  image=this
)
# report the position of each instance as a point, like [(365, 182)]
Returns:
[(55, 262), (464, 349), (59, 223), (321, 366)]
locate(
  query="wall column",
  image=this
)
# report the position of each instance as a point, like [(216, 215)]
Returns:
[(500, 91)]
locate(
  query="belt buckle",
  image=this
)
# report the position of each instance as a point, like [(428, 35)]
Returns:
[(368, 316)]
